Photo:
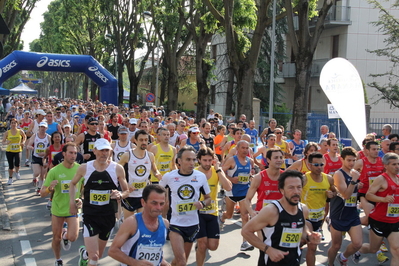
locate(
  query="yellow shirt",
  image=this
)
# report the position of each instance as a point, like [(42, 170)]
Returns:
[(15, 141), (213, 185), (314, 196), (163, 161), (284, 147)]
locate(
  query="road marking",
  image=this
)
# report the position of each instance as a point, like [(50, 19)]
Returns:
[(25, 246), (30, 262)]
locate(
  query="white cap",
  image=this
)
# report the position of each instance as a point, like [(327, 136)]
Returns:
[(102, 144), (194, 129), (40, 112), (43, 124), (67, 125), (133, 121)]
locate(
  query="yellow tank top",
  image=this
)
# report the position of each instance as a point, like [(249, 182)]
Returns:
[(284, 147), (304, 167), (314, 196), (163, 161), (213, 185), (15, 141)]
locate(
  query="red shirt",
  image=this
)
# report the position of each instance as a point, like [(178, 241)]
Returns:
[(53, 152), (383, 211), (267, 190), (331, 167), (369, 172)]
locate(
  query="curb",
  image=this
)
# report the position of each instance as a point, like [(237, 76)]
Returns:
[(5, 218)]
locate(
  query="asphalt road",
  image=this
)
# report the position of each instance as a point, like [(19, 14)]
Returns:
[(25, 237)]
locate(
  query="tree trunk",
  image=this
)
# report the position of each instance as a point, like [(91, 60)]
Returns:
[(301, 96), (119, 67), (229, 93), (173, 83), (133, 83), (202, 70), (245, 82), (85, 88)]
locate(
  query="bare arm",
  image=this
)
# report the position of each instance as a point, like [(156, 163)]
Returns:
[(251, 193)]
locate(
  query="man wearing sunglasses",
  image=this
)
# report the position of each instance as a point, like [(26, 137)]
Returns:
[(88, 138), (317, 187)]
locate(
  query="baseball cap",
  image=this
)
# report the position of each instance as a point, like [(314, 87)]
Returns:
[(102, 144), (122, 129), (194, 129), (43, 124), (40, 112), (133, 121), (92, 119), (27, 112)]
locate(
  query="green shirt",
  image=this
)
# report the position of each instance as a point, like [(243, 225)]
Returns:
[(60, 203)]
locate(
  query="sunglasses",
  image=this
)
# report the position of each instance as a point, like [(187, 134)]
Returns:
[(279, 133), (317, 164), (93, 124)]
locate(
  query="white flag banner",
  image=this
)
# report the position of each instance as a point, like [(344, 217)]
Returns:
[(332, 113), (341, 83)]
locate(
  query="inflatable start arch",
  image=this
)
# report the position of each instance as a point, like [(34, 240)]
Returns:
[(20, 60)]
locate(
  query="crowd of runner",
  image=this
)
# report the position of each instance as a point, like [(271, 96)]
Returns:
[(158, 176)]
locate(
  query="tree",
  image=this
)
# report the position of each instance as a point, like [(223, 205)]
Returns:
[(304, 43), (241, 19), (388, 25), (170, 27), (16, 14), (130, 31), (203, 65)]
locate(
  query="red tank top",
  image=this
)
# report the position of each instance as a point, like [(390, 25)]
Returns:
[(25, 126), (383, 211), (267, 190), (53, 152), (331, 167), (369, 172), (361, 154)]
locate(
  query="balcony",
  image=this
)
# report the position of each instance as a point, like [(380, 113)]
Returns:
[(289, 71), (337, 16)]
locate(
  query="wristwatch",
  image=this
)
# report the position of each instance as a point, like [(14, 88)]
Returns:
[(354, 182)]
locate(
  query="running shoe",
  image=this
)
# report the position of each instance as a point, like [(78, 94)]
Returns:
[(356, 257), (9, 181), (17, 176), (38, 191), (237, 209), (82, 261), (58, 263), (382, 258), (341, 261), (27, 163), (322, 235), (65, 243), (383, 248), (245, 246), (48, 205)]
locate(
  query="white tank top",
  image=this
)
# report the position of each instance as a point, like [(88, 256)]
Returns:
[(40, 145), (139, 172), (119, 151)]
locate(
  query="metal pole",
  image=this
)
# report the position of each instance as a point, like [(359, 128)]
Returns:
[(271, 93), (156, 81)]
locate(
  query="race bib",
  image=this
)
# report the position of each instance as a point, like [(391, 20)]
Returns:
[(371, 180), (138, 185), (252, 145), (209, 209), (37, 151), (185, 206), (164, 167), (91, 146), (99, 197), (151, 254), (65, 186), (54, 153), (351, 202), (393, 210), (290, 237), (15, 147), (316, 215), (243, 178)]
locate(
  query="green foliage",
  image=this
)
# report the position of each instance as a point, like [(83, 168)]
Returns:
[(282, 114), (388, 25)]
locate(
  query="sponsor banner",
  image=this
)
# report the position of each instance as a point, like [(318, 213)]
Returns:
[(342, 85)]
